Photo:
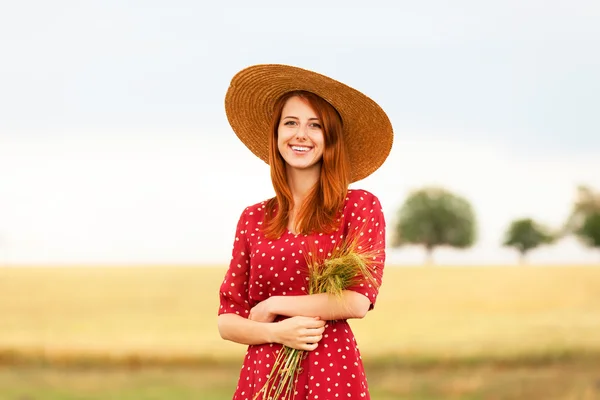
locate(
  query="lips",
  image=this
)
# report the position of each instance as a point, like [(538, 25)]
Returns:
[(300, 149)]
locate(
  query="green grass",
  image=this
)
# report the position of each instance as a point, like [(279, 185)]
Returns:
[(561, 381), (117, 384)]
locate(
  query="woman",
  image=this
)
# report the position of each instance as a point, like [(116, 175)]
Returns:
[(318, 135)]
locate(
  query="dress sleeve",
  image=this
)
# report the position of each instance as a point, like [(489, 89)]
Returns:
[(366, 222), (234, 289)]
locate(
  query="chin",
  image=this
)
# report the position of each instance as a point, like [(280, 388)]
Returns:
[(305, 166)]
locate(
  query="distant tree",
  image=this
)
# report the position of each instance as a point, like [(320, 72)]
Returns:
[(589, 232), (434, 217), (525, 235), (586, 203)]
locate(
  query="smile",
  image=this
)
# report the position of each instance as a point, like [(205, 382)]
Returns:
[(301, 149)]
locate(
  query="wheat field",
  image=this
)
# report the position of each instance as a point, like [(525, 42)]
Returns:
[(168, 314)]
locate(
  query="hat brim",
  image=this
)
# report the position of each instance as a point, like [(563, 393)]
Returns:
[(252, 95)]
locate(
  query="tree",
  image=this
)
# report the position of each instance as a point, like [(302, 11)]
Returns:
[(586, 203), (589, 231), (525, 235), (434, 217)]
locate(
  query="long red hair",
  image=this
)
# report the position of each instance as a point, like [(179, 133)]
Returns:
[(320, 209)]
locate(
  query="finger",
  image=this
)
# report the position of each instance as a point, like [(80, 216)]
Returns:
[(315, 324), (310, 346), (313, 339), (313, 331)]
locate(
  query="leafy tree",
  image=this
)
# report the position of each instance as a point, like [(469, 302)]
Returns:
[(434, 217), (589, 231), (525, 235), (586, 203)]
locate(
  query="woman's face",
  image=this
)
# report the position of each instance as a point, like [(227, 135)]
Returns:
[(300, 135)]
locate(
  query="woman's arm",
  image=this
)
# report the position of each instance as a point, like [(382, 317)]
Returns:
[(301, 333), (241, 330), (323, 306)]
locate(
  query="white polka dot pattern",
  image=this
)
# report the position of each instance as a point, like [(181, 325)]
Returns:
[(260, 268)]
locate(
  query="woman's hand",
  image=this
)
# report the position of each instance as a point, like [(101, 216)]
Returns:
[(302, 333), (298, 332), (262, 312)]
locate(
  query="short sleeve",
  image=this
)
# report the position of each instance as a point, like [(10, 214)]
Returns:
[(234, 289), (365, 221)]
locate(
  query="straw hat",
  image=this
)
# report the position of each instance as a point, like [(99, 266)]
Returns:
[(252, 94)]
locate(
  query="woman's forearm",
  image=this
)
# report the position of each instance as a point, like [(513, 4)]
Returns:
[(323, 305), (241, 330), (298, 332)]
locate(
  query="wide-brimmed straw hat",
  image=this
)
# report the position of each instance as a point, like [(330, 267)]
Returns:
[(253, 92)]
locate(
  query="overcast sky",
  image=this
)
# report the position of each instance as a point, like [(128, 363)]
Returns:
[(115, 148)]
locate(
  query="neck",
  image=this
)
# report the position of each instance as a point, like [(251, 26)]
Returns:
[(301, 181)]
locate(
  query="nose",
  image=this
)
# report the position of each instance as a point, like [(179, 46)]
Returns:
[(301, 133)]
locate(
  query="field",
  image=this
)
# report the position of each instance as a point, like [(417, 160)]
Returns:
[(436, 332)]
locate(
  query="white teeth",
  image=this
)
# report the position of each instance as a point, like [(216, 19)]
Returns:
[(300, 148)]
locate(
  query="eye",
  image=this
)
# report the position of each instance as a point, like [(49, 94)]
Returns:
[(289, 123), (315, 125)]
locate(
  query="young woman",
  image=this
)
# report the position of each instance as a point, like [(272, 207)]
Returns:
[(318, 136)]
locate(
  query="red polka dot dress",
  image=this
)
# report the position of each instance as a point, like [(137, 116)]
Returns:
[(261, 268)]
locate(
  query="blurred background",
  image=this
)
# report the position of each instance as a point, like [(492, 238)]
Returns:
[(121, 183)]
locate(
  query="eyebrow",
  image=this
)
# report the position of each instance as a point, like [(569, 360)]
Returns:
[(310, 119)]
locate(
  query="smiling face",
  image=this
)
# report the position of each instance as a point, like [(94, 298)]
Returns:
[(300, 137)]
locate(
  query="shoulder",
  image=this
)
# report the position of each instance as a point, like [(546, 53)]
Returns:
[(251, 219), (362, 205), (362, 208), (257, 208), (362, 198), (255, 212)]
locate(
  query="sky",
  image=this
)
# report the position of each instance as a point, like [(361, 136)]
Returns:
[(115, 147)]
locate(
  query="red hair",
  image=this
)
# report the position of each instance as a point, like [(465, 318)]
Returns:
[(320, 209)]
